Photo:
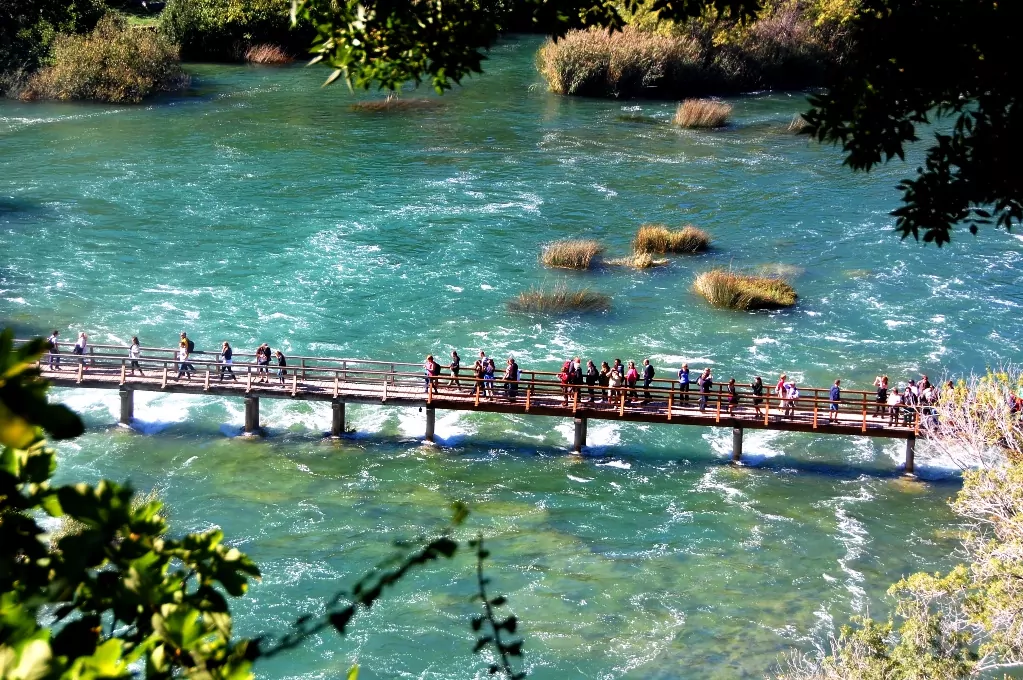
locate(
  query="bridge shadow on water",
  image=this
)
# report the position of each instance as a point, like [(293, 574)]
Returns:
[(470, 447)]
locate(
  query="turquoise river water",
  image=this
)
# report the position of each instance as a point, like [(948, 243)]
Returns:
[(259, 207)]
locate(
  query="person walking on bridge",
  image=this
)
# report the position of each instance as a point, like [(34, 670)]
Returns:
[(836, 396), (591, 378), (757, 388), (134, 352), (429, 371), (511, 380), (706, 383), (81, 347), (733, 397), (648, 377), (683, 384), (226, 359), (183, 364), (454, 367), (281, 364), (54, 347)]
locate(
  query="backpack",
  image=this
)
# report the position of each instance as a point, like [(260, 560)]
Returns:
[(191, 346)]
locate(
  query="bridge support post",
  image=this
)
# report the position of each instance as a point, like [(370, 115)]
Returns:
[(251, 415), (910, 453), (431, 418), (736, 444), (337, 423), (580, 435), (127, 405)]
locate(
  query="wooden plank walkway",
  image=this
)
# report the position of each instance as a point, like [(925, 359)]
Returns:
[(342, 381)]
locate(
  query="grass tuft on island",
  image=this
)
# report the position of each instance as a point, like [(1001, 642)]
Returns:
[(659, 239), (702, 114), (393, 104), (729, 290), (267, 55), (572, 254), (559, 299), (636, 261)]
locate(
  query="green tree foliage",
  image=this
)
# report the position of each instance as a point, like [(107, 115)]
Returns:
[(915, 62), (221, 30), (114, 63), (117, 589), (27, 27)]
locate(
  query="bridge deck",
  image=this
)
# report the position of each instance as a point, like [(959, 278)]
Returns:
[(539, 393)]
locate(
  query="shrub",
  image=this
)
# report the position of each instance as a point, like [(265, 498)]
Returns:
[(636, 261), (658, 238), (576, 254), (223, 30), (560, 300), (392, 103), (702, 113), (790, 45), (726, 289), (267, 54), (114, 63)]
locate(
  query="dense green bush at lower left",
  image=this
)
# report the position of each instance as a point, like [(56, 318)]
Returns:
[(115, 63)]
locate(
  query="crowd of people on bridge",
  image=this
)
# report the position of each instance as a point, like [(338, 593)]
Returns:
[(615, 383)]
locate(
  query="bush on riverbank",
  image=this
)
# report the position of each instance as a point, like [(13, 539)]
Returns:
[(267, 55), (560, 300), (224, 30), (658, 238), (573, 254), (702, 113), (791, 44), (728, 290), (115, 63)]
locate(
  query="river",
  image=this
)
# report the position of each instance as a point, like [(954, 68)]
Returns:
[(259, 207)]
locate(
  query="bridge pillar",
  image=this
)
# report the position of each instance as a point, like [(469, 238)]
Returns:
[(910, 453), (431, 417), (580, 435), (736, 444), (251, 415), (337, 423), (127, 405)]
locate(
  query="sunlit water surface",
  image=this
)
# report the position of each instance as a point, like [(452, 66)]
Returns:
[(260, 208)]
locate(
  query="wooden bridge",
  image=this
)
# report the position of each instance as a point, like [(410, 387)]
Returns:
[(537, 393)]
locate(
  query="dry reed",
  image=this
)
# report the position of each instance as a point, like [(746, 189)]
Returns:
[(636, 261), (267, 55), (729, 290), (391, 103), (797, 124), (702, 113), (559, 300), (573, 254), (658, 238)]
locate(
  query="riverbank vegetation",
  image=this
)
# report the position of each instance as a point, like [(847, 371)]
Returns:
[(790, 44), (559, 299), (636, 261), (114, 63), (968, 622), (659, 239), (731, 290), (267, 54), (225, 30), (572, 254), (702, 113)]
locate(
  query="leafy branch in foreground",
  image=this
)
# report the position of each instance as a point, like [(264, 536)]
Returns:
[(505, 650)]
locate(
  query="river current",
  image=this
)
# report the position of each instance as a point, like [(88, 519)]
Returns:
[(259, 207)]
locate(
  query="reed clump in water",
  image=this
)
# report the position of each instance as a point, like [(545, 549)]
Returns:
[(702, 113), (560, 299), (636, 261), (267, 55), (729, 290), (797, 124), (572, 254), (392, 103), (658, 238)]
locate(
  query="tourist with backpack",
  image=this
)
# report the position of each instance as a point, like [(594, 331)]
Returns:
[(648, 377), (54, 348)]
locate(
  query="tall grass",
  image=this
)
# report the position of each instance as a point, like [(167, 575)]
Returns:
[(702, 113), (729, 290), (559, 299), (267, 55), (636, 261), (115, 63), (791, 45), (658, 238), (574, 254), (392, 103), (797, 124)]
